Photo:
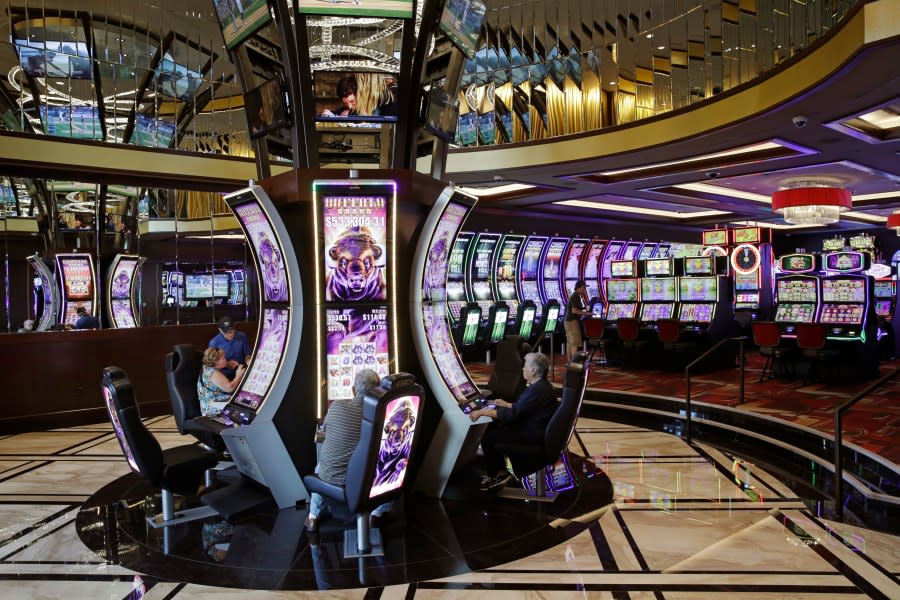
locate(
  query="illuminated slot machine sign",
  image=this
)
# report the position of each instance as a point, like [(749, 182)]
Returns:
[(657, 298), (552, 285), (662, 251), (846, 262), (507, 258), (480, 271), (622, 295), (357, 272), (529, 271), (119, 285), (745, 263), (400, 419), (266, 359), (714, 242), (885, 293), (835, 244), (647, 251), (572, 265), (456, 275), (698, 297), (797, 298), (863, 243), (591, 267), (746, 235), (611, 254), (77, 274), (843, 301), (630, 251)]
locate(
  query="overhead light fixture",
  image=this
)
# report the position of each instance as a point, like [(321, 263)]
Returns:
[(811, 204), (893, 222)]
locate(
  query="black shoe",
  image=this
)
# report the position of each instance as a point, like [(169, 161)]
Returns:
[(497, 481)]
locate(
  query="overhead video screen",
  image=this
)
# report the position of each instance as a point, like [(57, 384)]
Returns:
[(844, 261), (153, 133), (40, 58), (357, 338), (176, 81), (239, 19), (698, 265), (268, 251), (355, 96), (401, 9), (355, 232), (266, 358), (77, 122), (659, 266), (461, 22)]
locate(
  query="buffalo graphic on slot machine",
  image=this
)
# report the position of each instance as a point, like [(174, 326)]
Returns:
[(356, 274)]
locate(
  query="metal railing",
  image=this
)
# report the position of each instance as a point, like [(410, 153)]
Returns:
[(839, 441), (701, 358)]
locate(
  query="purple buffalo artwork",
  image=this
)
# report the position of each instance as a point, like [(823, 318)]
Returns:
[(396, 444)]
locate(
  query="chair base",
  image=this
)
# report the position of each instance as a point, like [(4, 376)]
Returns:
[(182, 516), (521, 494), (351, 544)]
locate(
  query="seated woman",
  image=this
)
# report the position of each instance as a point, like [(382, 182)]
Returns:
[(213, 388)]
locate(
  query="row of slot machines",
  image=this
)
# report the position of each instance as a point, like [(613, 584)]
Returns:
[(487, 268), (692, 289), (834, 290)]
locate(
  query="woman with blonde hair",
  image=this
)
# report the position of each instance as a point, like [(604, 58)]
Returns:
[(213, 388)]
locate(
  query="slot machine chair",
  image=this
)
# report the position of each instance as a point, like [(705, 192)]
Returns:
[(183, 366), (767, 337), (507, 381), (363, 468), (178, 470), (629, 331), (811, 338), (673, 343), (528, 458), (594, 331)]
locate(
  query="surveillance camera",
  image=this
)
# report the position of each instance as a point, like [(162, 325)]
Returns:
[(800, 121), (713, 174)]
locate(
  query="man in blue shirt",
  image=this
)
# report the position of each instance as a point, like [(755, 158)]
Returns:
[(85, 320), (234, 343)]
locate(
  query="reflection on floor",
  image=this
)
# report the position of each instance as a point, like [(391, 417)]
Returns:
[(686, 523)]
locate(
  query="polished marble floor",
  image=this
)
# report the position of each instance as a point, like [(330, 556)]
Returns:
[(686, 522)]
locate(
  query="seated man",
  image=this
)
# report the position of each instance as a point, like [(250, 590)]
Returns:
[(342, 424), (234, 343), (85, 320), (524, 421)]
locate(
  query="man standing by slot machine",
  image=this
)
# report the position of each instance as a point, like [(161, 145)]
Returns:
[(234, 343), (85, 320), (575, 310)]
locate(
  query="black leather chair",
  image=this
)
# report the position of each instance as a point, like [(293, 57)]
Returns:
[(507, 381), (378, 467), (178, 470), (183, 366), (528, 458)]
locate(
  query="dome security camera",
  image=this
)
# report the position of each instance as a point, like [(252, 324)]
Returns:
[(800, 121), (713, 174)]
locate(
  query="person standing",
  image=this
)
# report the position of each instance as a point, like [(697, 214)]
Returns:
[(575, 310), (234, 343)]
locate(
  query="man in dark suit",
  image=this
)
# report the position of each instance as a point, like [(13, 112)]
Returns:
[(525, 420)]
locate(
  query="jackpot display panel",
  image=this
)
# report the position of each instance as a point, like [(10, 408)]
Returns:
[(456, 275), (357, 229), (77, 276), (590, 267), (480, 271), (121, 302), (572, 271), (658, 290), (550, 270), (506, 272), (530, 269)]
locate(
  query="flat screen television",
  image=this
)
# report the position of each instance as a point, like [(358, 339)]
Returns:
[(266, 358), (401, 9), (461, 22), (354, 231), (200, 286), (268, 251), (796, 290), (77, 122), (698, 289), (343, 96), (266, 108), (442, 112), (661, 289), (45, 58), (844, 290), (239, 20), (176, 81), (356, 339), (153, 133), (659, 266)]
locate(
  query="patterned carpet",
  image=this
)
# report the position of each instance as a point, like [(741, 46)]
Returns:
[(873, 423)]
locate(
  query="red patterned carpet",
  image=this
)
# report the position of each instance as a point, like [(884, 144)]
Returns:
[(873, 423)]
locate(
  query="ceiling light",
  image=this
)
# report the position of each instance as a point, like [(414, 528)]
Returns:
[(641, 209), (486, 192), (761, 147), (893, 222), (812, 205)]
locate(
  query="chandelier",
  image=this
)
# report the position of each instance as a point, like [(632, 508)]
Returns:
[(810, 204), (893, 222)]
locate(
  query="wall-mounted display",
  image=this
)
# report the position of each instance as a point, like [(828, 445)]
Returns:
[(355, 96), (239, 20), (402, 9)]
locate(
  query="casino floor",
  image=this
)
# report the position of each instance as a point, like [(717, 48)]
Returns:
[(683, 523)]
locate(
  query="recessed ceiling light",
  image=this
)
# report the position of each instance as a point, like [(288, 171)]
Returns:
[(640, 209)]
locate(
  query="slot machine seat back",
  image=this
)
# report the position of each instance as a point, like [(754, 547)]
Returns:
[(183, 366), (528, 458), (767, 336), (594, 330), (507, 381), (629, 330), (811, 338), (374, 458), (178, 470)]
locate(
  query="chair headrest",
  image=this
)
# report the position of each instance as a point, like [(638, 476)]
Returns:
[(121, 393)]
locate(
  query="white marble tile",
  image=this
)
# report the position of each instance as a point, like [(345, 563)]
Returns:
[(70, 589), (883, 548), (59, 546), (789, 595), (202, 591), (7, 465), (43, 442), (668, 482), (15, 518), (66, 477)]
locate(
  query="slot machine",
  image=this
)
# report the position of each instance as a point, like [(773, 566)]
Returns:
[(456, 276), (571, 271), (121, 294), (751, 265), (506, 262), (885, 295), (797, 291), (590, 267), (622, 291), (659, 293), (630, 251), (705, 298), (647, 251), (613, 248), (847, 308), (663, 250), (551, 276), (529, 268), (77, 277), (715, 242), (46, 300), (479, 272)]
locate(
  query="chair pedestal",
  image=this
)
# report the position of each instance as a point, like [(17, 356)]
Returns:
[(169, 517), (540, 494), (364, 540)]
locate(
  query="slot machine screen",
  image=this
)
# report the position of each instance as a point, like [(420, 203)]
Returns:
[(400, 417), (355, 232), (592, 268), (698, 289), (122, 313), (844, 261), (220, 285), (552, 261), (696, 313), (715, 237), (795, 313), (356, 339), (437, 264), (78, 278), (883, 308), (71, 316), (746, 235), (842, 314), (796, 290), (631, 250), (501, 316), (655, 312), (844, 290), (445, 356), (552, 317), (456, 269), (124, 274), (482, 258), (530, 292), (698, 265), (506, 266), (268, 251), (531, 258), (573, 260), (597, 310), (622, 290), (623, 268), (527, 321), (659, 266), (470, 332), (612, 253), (482, 291), (456, 292), (885, 289), (266, 359), (621, 311), (658, 290)]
